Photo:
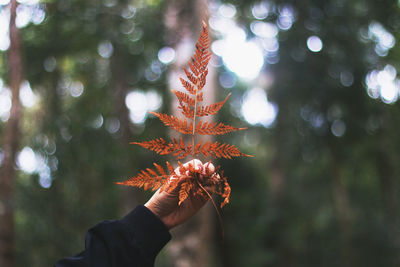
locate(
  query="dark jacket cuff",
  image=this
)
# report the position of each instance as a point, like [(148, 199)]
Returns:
[(147, 229)]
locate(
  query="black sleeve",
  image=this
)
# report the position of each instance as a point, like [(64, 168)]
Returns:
[(135, 240)]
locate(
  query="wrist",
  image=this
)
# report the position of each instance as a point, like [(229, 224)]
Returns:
[(156, 212), (152, 209)]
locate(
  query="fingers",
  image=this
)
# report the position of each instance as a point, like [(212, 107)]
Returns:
[(204, 170), (198, 166), (209, 168)]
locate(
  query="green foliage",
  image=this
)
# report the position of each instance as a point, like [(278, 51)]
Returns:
[(72, 134), (306, 225)]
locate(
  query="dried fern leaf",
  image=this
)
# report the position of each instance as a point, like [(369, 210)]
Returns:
[(184, 190), (184, 98), (211, 109), (186, 111), (219, 150), (160, 170), (213, 128), (188, 86), (148, 179), (158, 145), (194, 80), (223, 189), (226, 194), (177, 148), (186, 180), (198, 64), (175, 123), (199, 96)]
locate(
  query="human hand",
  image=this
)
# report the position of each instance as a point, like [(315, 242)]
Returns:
[(165, 204)]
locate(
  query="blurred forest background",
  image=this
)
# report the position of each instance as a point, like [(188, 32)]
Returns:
[(314, 81)]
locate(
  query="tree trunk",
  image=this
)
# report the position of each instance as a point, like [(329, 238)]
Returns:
[(10, 146), (387, 180), (386, 162), (277, 182), (192, 242), (343, 209), (277, 176), (120, 85)]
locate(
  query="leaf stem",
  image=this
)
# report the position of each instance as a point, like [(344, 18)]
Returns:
[(216, 209), (194, 122)]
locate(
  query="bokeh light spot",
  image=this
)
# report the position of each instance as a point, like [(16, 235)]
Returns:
[(4, 24), (76, 89), (97, 122), (261, 10), (45, 182), (245, 59), (50, 64), (346, 78), (227, 80), (314, 43), (227, 10), (383, 84), (286, 17), (256, 109), (26, 160), (105, 49), (264, 29), (384, 40), (338, 128), (26, 95), (166, 55), (112, 125), (28, 2), (5, 101), (140, 103)]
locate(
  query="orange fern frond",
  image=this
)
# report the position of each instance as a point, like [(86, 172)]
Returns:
[(198, 64), (186, 180), (218, 150), (226, 192), (213, 128), (211, 109), (184, 98), (199, 96), (177, 147), (191, 78), (187, 103), (158, 145), (202, 79), (175, 123), (188, 86), (149, 179), (186, 111), (184, 191)]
